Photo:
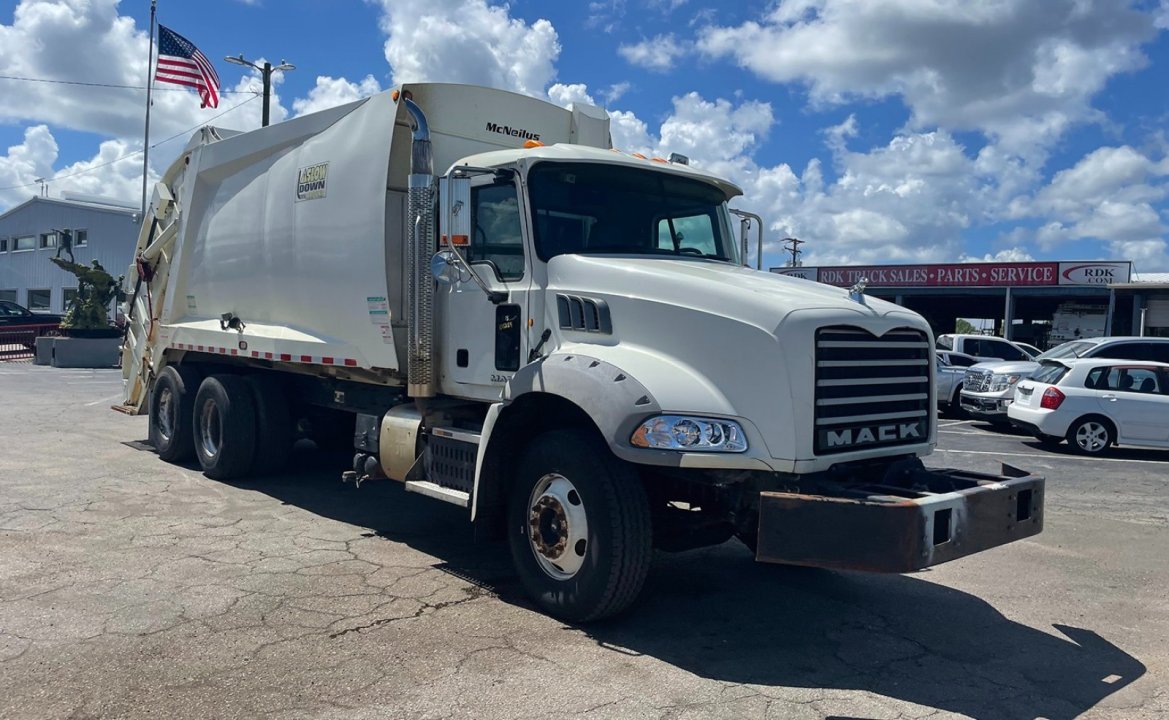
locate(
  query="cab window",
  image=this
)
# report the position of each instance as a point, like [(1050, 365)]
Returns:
[(498, 239), (688, 234)]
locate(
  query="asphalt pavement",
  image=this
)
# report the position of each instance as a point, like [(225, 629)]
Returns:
[(130, 588)]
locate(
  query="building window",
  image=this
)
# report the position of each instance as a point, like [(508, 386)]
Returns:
[(8, 295), (80, 238), (3, 244), (49, 240), (67, 296), (38, 300), (27, 242)]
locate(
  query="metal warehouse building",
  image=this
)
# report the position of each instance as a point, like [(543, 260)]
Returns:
[(1043, 303), (102, 230)]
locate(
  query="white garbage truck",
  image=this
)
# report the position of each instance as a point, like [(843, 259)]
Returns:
[(481, 299)]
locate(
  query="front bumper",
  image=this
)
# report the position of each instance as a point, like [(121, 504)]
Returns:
[(927, 517), (993, 407)]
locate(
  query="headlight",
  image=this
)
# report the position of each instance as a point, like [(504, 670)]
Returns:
[(999, 383), (693, 434)]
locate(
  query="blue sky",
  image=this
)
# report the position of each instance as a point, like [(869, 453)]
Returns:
[(877, 130)]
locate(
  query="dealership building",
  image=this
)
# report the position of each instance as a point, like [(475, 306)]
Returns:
[(30, 234), (1042, 303)]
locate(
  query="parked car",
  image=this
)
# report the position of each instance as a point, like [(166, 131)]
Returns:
[(1028, 348), (989, 388), (949, 370), (13, 315), (985, 347), (1095, 403)]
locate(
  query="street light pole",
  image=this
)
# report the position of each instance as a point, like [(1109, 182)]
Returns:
[(267, 74), (265, 71)]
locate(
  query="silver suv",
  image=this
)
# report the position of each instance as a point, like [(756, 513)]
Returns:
[(988, 388)]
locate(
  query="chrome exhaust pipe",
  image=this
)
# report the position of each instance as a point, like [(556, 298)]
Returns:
[(420, 361)]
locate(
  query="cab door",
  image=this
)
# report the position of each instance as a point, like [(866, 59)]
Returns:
[(483, 342)]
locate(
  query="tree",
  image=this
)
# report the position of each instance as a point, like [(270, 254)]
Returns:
[(963, 327)]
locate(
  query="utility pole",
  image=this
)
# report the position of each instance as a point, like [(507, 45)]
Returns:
[(265, 71), (792, 245)]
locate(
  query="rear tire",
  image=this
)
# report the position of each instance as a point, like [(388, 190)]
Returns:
[(172, 403), (579, 527), (225, 427), (273, 425), (1091, 435)]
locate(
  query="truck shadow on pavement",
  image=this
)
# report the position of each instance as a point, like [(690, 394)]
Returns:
[(721, 616)]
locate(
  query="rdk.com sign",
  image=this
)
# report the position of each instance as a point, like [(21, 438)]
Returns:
[(1094, 273)]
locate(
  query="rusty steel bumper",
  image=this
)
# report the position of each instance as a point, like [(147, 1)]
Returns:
[(928, 517)]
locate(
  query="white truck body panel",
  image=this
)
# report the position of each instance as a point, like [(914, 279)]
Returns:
[(299, 228)]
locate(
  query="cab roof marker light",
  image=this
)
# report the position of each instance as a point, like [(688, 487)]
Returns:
[(529, 144)]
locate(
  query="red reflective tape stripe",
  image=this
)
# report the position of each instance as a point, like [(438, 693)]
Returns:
[(350, 362), (200, 348), (267, 356), (306, 358), (326, 361), (285, 356), (234, 351), (255, 354)]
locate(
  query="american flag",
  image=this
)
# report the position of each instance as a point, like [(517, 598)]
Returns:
[(181, 63)]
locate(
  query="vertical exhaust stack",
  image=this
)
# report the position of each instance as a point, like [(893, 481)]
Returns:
[(420, 363)]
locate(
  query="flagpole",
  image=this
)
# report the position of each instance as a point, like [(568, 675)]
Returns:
[(149, 89)]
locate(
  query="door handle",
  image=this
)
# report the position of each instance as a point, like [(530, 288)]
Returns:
[(1110, 397)]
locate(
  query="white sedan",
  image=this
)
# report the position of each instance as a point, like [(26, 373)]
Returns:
[(1094, 403)]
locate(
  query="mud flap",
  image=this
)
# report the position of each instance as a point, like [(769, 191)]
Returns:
[(927, 517)]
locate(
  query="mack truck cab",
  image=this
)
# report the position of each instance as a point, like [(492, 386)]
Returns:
[(559, 337)]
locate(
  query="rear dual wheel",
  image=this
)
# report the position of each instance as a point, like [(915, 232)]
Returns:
[(225, 427)]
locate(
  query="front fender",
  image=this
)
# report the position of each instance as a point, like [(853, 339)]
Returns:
[(618, 393)]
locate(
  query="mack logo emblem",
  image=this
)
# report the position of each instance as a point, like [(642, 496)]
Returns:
[(310, 181), (870, 435), (512, 131)]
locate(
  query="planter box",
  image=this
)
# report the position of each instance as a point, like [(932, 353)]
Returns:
[(44, 352), (72, 352)]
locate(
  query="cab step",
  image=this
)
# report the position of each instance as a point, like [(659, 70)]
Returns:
[(438, 492)]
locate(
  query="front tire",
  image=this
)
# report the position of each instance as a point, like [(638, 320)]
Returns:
[(579, 527), (225, 427), (1090, 435), (172, 403)]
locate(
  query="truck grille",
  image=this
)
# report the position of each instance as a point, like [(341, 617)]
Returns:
[(871, 391), (977, 380)]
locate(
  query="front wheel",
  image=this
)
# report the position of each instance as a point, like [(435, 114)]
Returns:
[(1090, 436), (579, 527)]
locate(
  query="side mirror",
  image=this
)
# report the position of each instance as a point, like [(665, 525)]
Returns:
[(445, 268)]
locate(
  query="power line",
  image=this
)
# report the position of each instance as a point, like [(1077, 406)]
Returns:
[(111, 85), (136, 152)]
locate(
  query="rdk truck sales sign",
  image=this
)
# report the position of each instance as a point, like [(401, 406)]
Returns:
[(1028, 274)]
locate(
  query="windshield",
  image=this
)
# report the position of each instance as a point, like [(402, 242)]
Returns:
[(1073, 349), (614, 209)]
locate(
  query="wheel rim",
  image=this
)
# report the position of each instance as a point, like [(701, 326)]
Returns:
[(1092, 436), (210, 435), (558, 527), (166, 414)]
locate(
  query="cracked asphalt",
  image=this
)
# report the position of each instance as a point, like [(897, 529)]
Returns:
[(132, 588)]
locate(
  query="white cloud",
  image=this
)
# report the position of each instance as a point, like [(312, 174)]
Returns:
[(1015, 254), (658, 53), (1018, 70), (331, 92), (115, 171), (484, 47)]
